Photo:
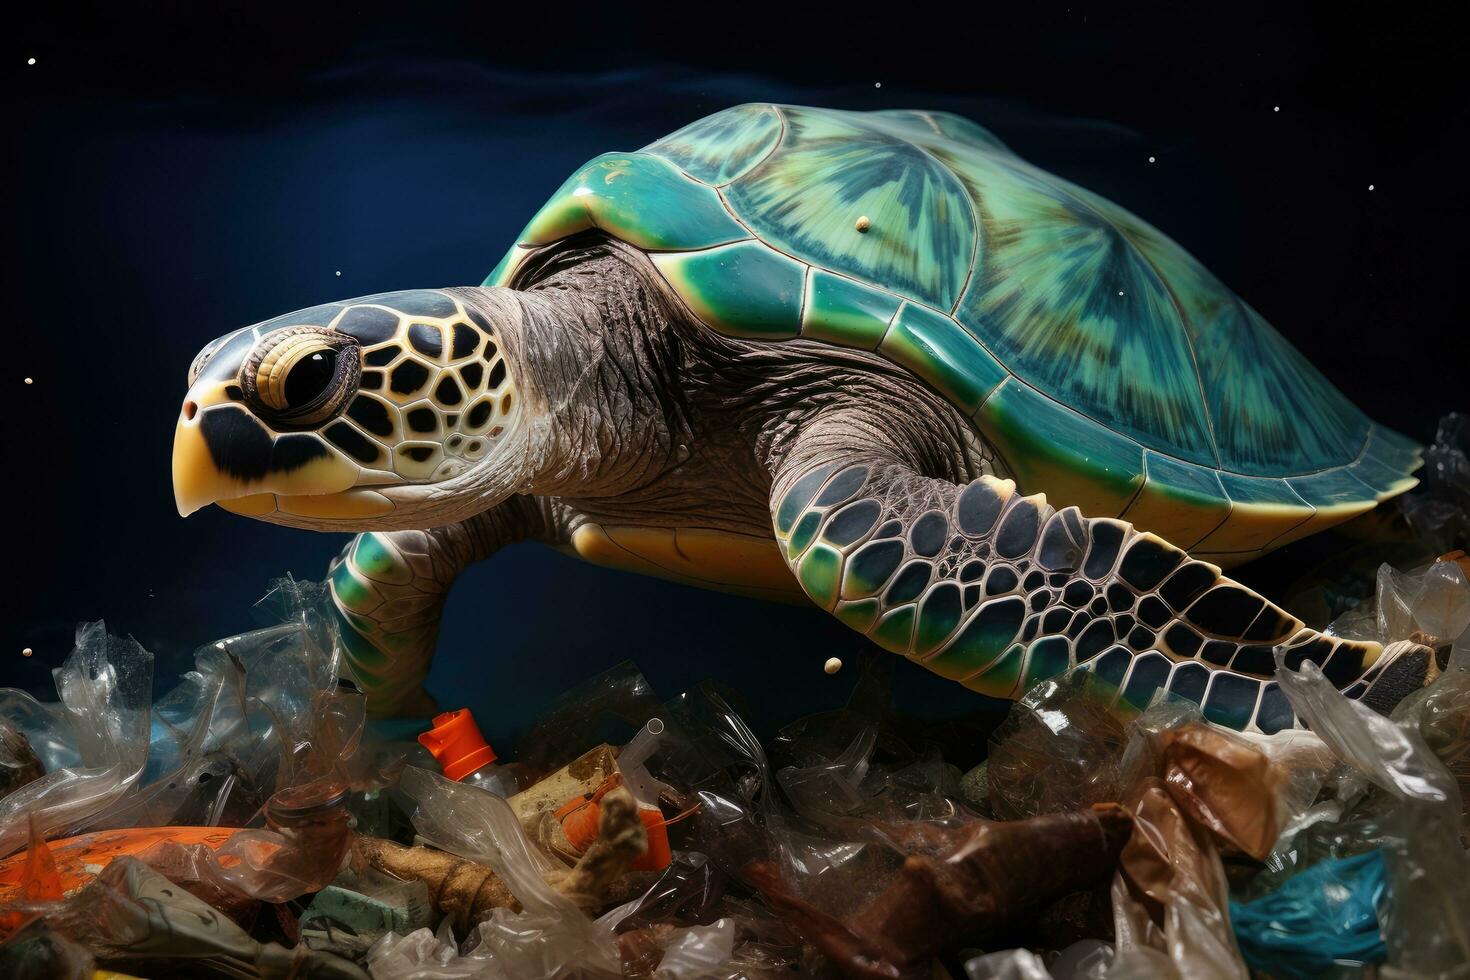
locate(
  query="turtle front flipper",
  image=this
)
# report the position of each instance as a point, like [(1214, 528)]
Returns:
[(998, 591), (388, 591)]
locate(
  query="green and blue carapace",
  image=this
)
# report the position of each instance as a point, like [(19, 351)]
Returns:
[(873, 361)]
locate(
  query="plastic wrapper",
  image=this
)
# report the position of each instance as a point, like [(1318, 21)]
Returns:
[(1084, 960), (1197, 790), (1241, 791), (1417, 820), (694, 893), (1325, 916), (105, 687), (133, 919), (356, 910)]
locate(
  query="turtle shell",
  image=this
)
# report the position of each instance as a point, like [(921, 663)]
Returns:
[(1105, 365)]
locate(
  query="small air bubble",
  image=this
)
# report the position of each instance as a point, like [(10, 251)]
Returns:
[(339, 272), (1276, 108), (1150, 159), (1370, 187), (30, 381), (30, 61), (877, 84), (27, 652)]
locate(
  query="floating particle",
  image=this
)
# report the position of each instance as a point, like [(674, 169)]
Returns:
[(863, 224), (877, 84), (30, 61), (339, 272), (832, 666), (27, 652), (1276, 108), (30, 381), (1370, 187), (1150, 159)]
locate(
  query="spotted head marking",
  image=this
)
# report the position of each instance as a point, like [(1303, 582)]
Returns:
[(345, 414)]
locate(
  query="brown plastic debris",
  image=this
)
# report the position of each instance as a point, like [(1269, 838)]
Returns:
[(465, 891), (19, 763), (1224, 785), (983, 879), (1170, 893)]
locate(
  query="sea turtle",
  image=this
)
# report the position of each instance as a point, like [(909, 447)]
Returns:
[(874, 360)]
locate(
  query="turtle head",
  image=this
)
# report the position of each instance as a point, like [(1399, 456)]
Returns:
[(394, 410)]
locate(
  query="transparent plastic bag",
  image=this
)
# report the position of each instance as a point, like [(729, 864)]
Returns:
[(1170, 892), (609, 708), (105, 686), (1426, 926), (1060, 747)]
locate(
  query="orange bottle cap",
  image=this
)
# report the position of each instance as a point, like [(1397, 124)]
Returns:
[(456, 744)]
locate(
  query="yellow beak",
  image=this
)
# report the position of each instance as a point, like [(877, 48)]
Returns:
[(200, 480)]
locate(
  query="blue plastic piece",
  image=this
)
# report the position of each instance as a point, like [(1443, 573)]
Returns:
[(1327, 914)]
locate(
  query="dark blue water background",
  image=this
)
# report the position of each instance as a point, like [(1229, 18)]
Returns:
[(147, 220)]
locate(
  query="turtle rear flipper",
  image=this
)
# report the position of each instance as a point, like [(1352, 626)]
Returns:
[(1405, 667)]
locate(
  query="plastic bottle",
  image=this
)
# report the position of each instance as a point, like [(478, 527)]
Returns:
[(465, 757)]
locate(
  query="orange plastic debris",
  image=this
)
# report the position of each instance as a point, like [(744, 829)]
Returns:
[(77, 860), (580, 818)]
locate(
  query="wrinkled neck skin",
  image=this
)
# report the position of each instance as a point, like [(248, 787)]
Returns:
[(635, 411), (601, 353)]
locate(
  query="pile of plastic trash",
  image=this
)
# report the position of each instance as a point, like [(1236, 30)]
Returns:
[(251, 823)]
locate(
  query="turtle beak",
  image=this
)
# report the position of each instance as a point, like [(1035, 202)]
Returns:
[(222, 454), (198, 481)]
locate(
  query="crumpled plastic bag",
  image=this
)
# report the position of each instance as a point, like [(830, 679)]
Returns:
[(1424, 915), (1088, 959), (1059, 748), (105, 686), (1429, 604), (1170, 892), (548, 935), (1325, 915)]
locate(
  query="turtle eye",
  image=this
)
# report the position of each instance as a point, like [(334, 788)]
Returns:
[(309, 378), (302, 377)]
